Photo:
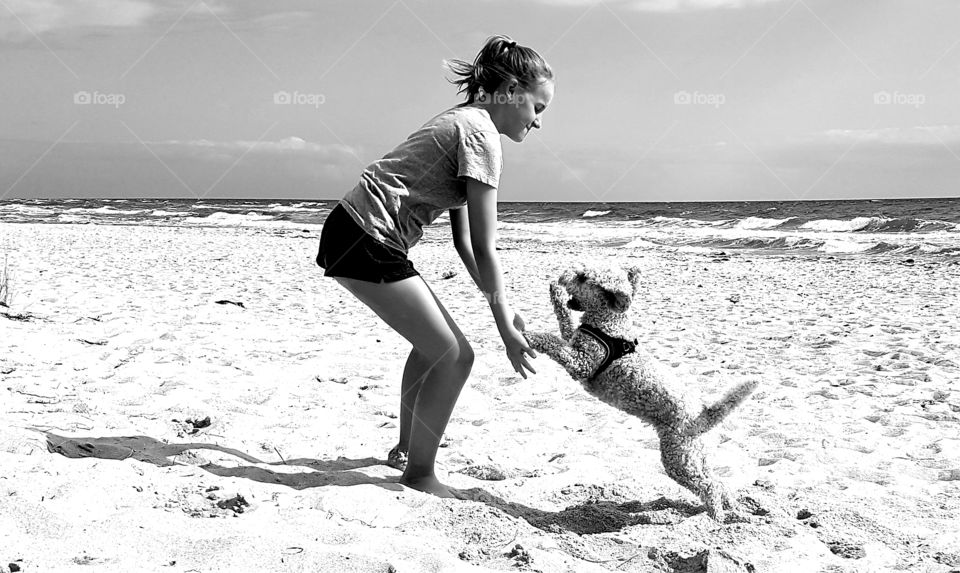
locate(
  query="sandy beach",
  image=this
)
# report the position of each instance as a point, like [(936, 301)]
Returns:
[(149, 428)]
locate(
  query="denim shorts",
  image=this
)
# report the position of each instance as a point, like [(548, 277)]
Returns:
[(346, 250)]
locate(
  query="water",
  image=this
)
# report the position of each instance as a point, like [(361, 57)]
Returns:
[(928, 228)]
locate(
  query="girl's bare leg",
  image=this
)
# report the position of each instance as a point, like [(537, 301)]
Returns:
[(416, 369), (411, 309)]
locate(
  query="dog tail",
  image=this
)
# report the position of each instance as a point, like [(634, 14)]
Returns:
[(713, 415)]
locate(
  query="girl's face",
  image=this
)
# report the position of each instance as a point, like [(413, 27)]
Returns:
[(515, 110)]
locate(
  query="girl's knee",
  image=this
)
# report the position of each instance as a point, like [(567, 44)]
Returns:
[(466, 355), (459, 355)]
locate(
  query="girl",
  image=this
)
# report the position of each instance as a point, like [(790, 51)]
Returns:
[(451, 163)]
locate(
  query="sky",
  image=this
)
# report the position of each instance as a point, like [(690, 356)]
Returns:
[(655, 100)]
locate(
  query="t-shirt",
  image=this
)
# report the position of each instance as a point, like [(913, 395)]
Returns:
[(424, 176)]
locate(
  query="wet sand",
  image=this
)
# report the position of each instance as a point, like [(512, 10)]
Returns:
[(213, 437)]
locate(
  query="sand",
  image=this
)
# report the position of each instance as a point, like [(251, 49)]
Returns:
[(221, 437)]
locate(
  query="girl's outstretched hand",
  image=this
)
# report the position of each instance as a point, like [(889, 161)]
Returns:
[(518, 350)]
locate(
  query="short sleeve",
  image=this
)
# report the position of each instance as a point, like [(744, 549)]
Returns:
[(479, 157)]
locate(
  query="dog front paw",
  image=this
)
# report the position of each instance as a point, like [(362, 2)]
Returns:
[(537, 340)]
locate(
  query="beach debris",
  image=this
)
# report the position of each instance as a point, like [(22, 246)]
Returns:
[(706, 561), (197, 425), (734, 298), (804, 514), (487, 472), (846, 549), (240, 304), (14, 567), (949, 475), (19, 316), (520, 556), (191, 426), (93, 342), (448, 275), (7, 370), (754, 506), (234, 504)]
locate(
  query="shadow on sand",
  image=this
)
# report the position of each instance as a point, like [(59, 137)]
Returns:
[(146, 449), (593, 516)]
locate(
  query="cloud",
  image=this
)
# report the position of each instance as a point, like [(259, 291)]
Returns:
[(694, 5), (668, 6), (290, 144), (917, 135), (20, 19)]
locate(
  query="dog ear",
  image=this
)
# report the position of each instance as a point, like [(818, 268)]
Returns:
[(568, 275), (633, 274), (618, 301)]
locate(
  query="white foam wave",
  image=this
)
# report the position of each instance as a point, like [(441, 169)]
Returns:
[(588, 214), (162, 213), (21, 209), (106, 211), (697, 250), (841, 246), (761, 223), (840, 225), (640, 244), (291, 208), (221, 218), (662, 221)]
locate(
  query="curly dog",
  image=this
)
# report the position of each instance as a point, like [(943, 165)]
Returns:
[(601, 354)]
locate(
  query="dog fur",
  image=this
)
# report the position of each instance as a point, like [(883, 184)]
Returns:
[(635, 383)]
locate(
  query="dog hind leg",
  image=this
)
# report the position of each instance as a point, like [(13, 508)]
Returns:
[(684, 463)]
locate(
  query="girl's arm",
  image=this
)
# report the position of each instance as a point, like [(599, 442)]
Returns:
[(460, 225), (482, 221)]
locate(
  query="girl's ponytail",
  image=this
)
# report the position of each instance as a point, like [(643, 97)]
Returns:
[(500, 59)]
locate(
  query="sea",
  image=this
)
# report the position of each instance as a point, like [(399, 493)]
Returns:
[(905, 228)]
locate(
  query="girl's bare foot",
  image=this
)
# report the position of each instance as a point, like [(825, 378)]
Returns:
[(427, 484)]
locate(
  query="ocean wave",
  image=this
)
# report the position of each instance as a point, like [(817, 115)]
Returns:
[(840, 246), (760, 243), (880, 225), (839, 225), (590, 214), (640, 244), (220, 218), (299, 207), (907, 224), (162, 213), (695, 250), (21, 209), (662, 221), (106, 211), (761, 223)]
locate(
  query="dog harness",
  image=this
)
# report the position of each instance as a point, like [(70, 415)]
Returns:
[(613, 348)]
